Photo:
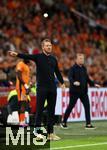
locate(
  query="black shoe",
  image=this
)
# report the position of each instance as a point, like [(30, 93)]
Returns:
[(89, 126), (64, 125)]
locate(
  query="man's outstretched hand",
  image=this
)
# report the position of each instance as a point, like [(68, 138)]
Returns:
[(13, 54)]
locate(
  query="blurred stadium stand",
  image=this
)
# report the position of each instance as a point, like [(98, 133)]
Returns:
[(23, 26)]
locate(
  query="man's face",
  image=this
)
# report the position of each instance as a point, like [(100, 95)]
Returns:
[(47, 47), (80, 59)]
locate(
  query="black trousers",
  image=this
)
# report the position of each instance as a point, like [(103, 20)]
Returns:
[(49, 95), (85, 101)]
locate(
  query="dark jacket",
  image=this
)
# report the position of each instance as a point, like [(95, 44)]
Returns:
[(47, 68), (79, 73)]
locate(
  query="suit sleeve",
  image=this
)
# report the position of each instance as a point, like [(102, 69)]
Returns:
[(70, 75), (91, 82), (28, 57), (58, 74)]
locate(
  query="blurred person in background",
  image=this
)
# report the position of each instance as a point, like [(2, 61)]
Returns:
[(79, 80), (23, 26)]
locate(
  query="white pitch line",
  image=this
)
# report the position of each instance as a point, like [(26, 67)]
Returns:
[(75, 146)]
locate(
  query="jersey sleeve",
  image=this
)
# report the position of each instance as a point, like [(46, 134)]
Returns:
[(19, 66)]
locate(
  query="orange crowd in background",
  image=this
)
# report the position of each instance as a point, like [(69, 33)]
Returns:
[(23, 26)]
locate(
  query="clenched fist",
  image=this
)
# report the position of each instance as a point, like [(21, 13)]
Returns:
[(76, 83)]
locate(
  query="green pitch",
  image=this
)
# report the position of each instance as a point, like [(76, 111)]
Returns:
[(79, 138), (76, 137)]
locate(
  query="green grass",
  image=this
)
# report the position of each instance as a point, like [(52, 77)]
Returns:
[(77, 137)]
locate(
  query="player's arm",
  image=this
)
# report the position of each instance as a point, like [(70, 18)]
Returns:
[(23, 56), (59, 76), (19, 76)]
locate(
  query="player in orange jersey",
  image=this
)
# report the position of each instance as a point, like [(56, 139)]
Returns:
[(22, 88)]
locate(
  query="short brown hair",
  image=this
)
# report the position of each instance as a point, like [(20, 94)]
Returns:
[(45, 40), (78, 54)]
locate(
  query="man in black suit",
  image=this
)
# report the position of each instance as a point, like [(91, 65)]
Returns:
[(79, 80), (47, 68)]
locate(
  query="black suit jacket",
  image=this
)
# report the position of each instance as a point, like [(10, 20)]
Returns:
[(79, 73)]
